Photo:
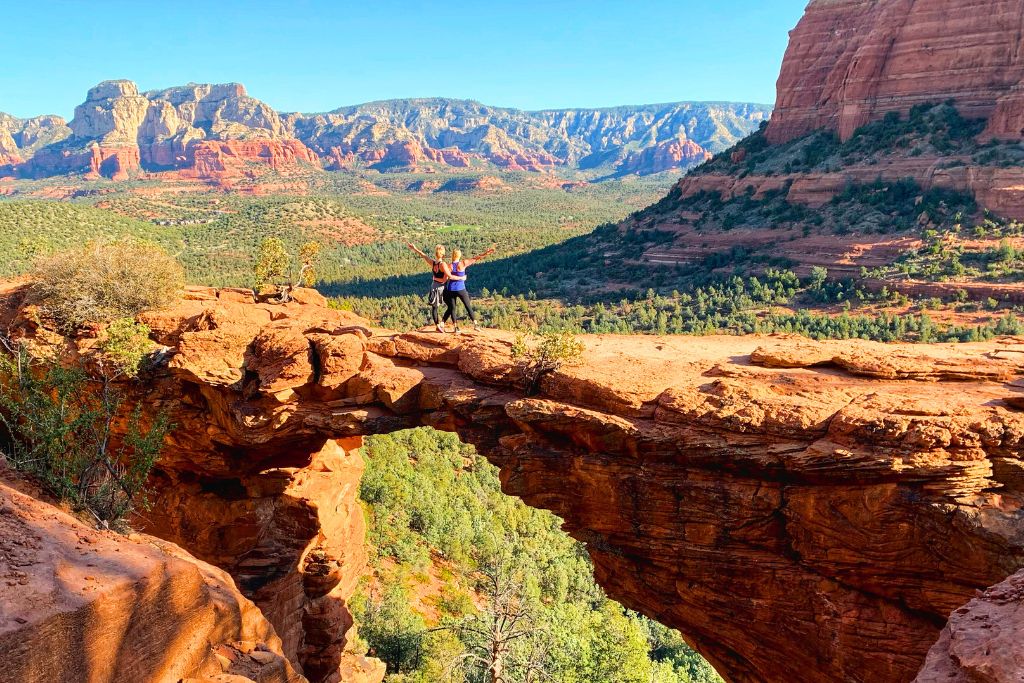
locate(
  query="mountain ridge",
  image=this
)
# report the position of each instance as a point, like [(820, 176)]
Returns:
[(217, 132)]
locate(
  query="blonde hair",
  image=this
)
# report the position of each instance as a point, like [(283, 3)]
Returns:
[(439, 252), (456, 254)]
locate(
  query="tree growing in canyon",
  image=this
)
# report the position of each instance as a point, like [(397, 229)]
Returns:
[(493, 635), (274, 268)]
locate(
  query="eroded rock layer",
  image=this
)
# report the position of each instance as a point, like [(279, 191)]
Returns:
[(801, 511), (77, 604), (852, 61)]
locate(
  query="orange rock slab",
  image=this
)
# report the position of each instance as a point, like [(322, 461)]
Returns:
[(80, 604), (801, 511)]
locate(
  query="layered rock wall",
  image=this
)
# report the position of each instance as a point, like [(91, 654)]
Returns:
[(852, 61), (802, 511)]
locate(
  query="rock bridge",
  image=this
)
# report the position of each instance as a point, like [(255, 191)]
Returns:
[(802, 511)]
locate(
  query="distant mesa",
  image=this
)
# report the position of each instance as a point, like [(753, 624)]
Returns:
[(219, 134), (483, 184)]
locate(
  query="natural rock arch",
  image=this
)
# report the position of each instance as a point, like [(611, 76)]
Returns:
[(801, 511)]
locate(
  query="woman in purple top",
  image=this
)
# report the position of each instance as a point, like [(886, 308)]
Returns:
[(456, 290), (441, 274)]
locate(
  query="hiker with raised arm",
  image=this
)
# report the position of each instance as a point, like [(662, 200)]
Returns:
[(456, 290), (441, 274)]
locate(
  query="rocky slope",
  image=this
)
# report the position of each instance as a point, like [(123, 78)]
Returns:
[(219, 133), (802, 511), (871, 94)]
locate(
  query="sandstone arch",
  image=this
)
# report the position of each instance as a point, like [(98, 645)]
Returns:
[(802, 511)]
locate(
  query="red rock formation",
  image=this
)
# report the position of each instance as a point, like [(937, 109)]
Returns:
[(407, 155), (218, 160), (403, 155), (665, 156), (9, 152), (981, 643), (80, 604), (851, 61), (802, 511), (116, 163)]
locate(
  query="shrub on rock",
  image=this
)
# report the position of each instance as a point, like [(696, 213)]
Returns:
[(106, 281)]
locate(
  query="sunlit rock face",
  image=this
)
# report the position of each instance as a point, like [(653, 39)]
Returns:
[(801, 511), (81, 604), (852, 61)]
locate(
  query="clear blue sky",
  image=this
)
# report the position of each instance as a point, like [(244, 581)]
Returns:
[(315, 55)]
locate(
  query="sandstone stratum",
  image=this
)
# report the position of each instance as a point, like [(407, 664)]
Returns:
[(802, 511), (850, 62), (219, 134)]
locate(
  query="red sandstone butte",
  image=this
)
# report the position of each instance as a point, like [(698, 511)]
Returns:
[(851, 61)]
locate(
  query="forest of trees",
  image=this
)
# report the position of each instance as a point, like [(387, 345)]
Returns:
[(732, 305), (468, 581)]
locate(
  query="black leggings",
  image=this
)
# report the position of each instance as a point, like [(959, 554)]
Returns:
[(449, 301)]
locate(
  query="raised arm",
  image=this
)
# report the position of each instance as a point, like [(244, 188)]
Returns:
[(481, 256), (423, 256)]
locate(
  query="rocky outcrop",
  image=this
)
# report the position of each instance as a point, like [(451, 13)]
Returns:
[(20, 138), (210, 132), (663, 157), (852, 61), (112, 113), (801, 511), (80, 604), (981, 643)]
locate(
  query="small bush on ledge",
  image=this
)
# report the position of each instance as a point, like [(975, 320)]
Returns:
[(57, 424), (274, 269), (537, 356)]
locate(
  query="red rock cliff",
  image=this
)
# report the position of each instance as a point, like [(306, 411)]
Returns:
[(802, 511), (851, 61)]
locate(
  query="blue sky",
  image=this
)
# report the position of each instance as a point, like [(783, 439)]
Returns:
[(315, 55)]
